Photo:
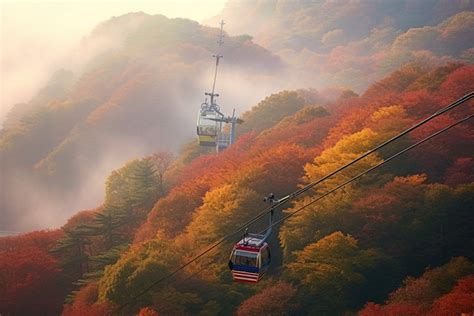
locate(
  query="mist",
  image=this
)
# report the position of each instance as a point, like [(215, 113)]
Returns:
[(39, 37), (158, 116), (29, 204), (132, 95)]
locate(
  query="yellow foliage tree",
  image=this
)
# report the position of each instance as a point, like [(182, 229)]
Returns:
[(389, 121), (332, 271), (344, 151), (223, 210), (136, 270), (311, 224)]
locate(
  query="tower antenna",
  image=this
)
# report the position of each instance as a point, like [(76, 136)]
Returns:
[(217, 56)]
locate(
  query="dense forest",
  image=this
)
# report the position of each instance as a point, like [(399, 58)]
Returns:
[(143, 76), (108, 152), (123, 104), (399, 241), (342, 40)]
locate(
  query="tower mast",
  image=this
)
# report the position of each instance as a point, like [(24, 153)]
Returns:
[(217, 56)]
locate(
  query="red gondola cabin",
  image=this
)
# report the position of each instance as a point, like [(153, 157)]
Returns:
[(250, 259)]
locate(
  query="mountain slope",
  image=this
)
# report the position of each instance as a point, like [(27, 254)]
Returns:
[(395, 222), (354, 43), (139, 94)]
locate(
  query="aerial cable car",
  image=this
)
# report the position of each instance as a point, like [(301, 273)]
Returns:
[(250, 257), (210, 119), (209, 123)]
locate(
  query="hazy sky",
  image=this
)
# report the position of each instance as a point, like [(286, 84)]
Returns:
[(36, 36)]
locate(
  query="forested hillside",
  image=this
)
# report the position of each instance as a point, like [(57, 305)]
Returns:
[(133, 86), (398, 241), (138, 93), (331, 43)]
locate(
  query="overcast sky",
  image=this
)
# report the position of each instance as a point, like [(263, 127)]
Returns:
[(37, 35)]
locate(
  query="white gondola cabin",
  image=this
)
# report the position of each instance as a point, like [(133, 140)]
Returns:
[(208, 127)]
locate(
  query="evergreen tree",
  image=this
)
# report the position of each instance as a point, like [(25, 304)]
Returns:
[(73, 249)]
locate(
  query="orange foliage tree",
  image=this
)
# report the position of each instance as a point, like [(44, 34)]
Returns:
[(147, 311), (435, 156), (460, 172), (458, 83), (27, 268), (43, 240), (433, 293), (85, 303), (279, 299), (459, 301), (377, 215), (32, 282), (173, 212), (372, 309)]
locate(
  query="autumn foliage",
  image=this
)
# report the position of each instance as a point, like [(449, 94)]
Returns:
[(398, 241), (85, 303), (447, 290), (457, 302), (279, 299), (27, 269)]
